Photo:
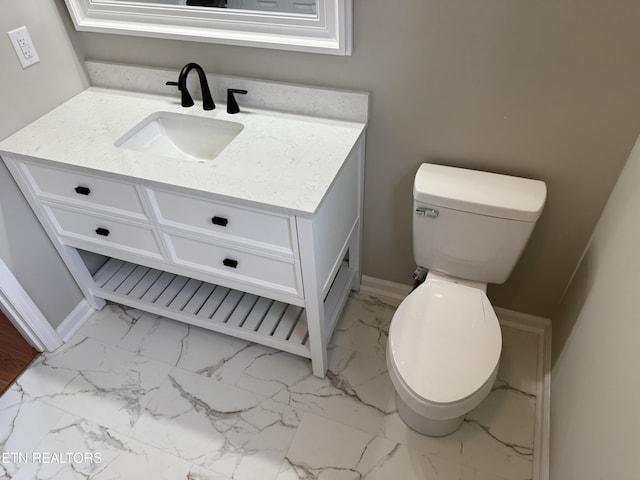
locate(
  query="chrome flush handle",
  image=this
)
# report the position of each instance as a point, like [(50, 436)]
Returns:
[(427, 212)]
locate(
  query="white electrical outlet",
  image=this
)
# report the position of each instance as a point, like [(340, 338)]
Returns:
[(23, 45)]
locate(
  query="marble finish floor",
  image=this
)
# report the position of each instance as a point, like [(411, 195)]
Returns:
[(136, 396)]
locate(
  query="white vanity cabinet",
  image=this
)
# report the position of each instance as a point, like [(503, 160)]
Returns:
[(244, 269), (261, 241)]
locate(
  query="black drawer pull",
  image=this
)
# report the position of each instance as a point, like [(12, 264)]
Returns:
[(227, 262), (220, 221), (82, 190), (102, 231)]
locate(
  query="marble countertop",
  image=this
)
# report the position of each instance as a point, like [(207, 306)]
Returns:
[(283, 161)]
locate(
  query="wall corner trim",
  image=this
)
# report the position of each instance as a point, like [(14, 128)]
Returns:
[(24, 313), (78, 316)]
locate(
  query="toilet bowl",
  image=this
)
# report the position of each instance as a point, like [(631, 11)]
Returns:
[(443, 353), (469, 229)]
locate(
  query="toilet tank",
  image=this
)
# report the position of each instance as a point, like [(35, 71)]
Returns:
[(471, 224)]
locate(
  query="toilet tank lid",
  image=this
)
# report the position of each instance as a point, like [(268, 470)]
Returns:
[(484, 193)]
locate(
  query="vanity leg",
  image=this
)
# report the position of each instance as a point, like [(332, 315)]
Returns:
[(355, 247), (80, 273), (314, 302), (319, 354), (355, 257)]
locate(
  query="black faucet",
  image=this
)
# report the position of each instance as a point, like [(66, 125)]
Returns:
[(187, 101)]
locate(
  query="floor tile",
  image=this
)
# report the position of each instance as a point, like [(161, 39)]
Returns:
[(87, 450), (14, 395), (519, 359), (364, 326), (110, 325), (509, 417), (218, 426), (161, 399), (138, 332), (355, 391), (324, 449), (361, 375), (357, 388), (22, 426), (260, 369), (98, 382), (221, 357), (199, 473), (471, 445)]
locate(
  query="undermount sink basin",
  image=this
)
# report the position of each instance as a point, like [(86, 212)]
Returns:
[(176, 135)]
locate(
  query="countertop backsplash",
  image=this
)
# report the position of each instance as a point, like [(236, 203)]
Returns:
[(349, 106)]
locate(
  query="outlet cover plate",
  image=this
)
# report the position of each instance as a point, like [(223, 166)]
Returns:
[(23, 45)]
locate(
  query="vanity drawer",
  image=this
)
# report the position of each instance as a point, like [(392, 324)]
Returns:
[(80, 188), (279, 274), (78, 228), (243, 226)]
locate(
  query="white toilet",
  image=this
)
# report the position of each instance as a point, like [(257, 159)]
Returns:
[(469, 229)]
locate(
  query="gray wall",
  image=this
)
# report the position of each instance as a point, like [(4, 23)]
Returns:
[(548, 90), (595, 426), (25, 95)]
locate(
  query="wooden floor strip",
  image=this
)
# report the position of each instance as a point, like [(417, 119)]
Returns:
[(15, 353)]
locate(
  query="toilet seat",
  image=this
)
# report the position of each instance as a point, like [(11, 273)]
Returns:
[(444, 346)]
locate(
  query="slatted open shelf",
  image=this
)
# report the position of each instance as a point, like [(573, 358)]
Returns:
[(232, 312)]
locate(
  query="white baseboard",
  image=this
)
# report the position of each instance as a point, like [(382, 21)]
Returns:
[(24, 314), (542, 327), (384, 288), (523, 321), (78, 316)]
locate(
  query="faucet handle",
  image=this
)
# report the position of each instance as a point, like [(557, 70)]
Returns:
[(187, 101), (232, 105)]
